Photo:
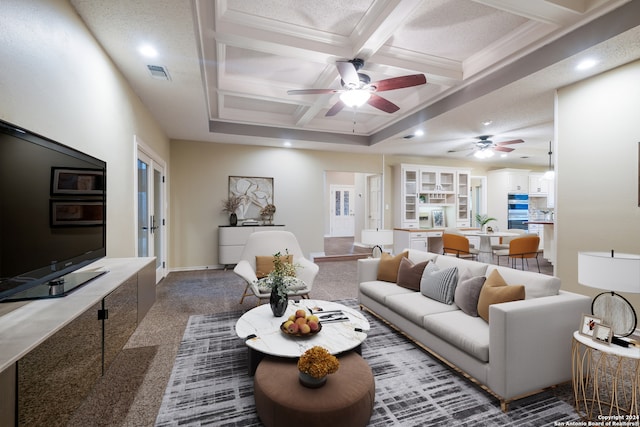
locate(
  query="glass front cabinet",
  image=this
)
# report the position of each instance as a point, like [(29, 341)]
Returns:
[(423, 189)]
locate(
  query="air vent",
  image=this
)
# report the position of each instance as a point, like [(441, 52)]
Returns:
[(159, 72), (409, 136)]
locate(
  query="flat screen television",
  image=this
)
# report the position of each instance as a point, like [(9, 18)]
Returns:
[(52, 215)]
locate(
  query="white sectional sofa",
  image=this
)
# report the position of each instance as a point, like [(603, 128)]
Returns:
[(523, 348)]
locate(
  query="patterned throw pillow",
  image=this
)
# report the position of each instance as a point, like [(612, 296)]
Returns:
[(409, 274), (437, 284), (389, 265)]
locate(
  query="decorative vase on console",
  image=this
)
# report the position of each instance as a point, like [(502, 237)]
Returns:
[(230, 206)]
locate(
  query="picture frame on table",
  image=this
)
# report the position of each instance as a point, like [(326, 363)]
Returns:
[(438, 218), (588, 324), (602, 334)]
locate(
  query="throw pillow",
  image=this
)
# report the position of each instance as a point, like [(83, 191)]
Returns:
[(437, 284), (389, 266), (409, 274), (467, 294), (494, 291), (264, 264)]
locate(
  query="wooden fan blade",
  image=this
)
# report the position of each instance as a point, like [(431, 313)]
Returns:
[(503, 149), (348, 73), (337, 107), (400, 82), (382, 104), (312, 91), (513, 141)]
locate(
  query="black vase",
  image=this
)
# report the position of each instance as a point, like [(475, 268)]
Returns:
[(278, 303), (233, 219)]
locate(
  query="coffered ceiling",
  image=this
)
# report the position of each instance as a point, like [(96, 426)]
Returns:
[(230, 64)]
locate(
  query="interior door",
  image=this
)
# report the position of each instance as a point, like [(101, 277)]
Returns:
[(374, 214), (342, 215), (150, 207)]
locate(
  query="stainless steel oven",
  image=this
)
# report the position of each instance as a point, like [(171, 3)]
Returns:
[(518, 211)]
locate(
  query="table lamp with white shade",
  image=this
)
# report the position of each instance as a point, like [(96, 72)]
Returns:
[(378, 239), (612, 272)]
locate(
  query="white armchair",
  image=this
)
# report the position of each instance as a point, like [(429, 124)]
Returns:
[(268, 243)]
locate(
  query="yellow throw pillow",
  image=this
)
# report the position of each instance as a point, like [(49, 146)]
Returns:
[(264, 264), (494, 291), (389, 265)]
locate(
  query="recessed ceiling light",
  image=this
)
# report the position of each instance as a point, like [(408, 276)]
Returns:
[(586, 64), (287, 144), (148, 51), (487, 122), (419, 132)]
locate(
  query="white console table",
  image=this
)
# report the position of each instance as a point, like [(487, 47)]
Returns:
[(231, 241), (54, 350)]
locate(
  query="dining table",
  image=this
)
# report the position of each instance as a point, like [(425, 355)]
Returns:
[(485, 253)]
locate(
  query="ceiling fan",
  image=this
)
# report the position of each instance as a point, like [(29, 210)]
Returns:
[(357, 88), (485, 147)]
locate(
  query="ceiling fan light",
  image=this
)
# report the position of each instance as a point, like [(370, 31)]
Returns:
[(355, 98), (483, 154)]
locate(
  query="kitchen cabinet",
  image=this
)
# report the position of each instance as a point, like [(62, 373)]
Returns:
[(430, 241), (406, 206), (538, 185), (463, 206), (518, 182), (500, 183), (419, 188)]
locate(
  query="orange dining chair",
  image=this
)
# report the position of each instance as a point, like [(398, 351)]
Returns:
[(521, 248), (458, 245)]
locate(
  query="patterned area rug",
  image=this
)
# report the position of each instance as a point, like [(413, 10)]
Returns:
[(209, 384)]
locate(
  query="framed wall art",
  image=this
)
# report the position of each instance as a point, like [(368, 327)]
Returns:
[(438, 218), (75, 213), (80, 182), (254, 192)]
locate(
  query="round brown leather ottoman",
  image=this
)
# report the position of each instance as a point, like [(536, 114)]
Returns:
[(345, 400)]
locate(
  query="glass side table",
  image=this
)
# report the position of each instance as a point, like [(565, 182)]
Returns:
[(605, 380)]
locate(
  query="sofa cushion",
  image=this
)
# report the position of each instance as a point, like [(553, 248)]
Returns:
[(469, 334), (535, 285), (409, 274), (494, 291), (379, 291), (414, 306), (475, 268), (389, 265), (468, 292), (418, 256), (439, 284)]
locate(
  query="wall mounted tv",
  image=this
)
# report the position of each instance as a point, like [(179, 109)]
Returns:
[(52, 215)]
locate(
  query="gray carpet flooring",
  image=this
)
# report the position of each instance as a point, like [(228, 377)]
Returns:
[(412, 389), (130, 394)]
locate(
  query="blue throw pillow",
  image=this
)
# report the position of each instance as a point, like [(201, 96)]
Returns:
[(438, 284)]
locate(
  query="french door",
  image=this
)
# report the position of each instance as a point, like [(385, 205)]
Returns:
[(150, 193), (342, 215)]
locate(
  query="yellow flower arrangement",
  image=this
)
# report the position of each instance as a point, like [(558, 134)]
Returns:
[(318, 362)]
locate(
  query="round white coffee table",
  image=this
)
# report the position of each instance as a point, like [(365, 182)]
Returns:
[(343, 329)]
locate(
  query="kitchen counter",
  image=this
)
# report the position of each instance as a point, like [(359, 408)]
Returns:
[(549, 245)]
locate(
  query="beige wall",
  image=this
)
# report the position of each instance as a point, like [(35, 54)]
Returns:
[(57, 81), (199, 182), (598, 130)]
